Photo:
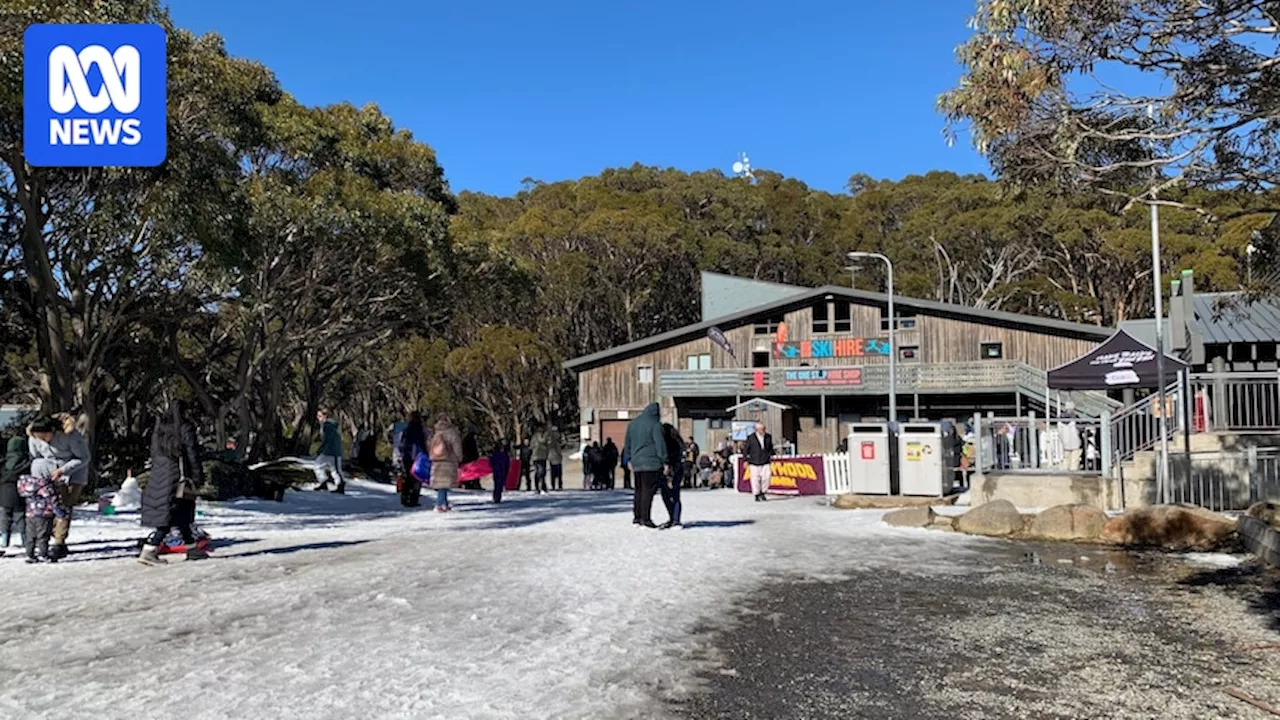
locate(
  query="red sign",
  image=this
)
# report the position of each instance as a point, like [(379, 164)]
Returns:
[(790, 476), (822, 377), (868, 450)]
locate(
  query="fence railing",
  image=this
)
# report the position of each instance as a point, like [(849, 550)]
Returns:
[(1137, 427), (1226, 480), (838, 472), (872, 379), (1236, 402), (1036, 444)]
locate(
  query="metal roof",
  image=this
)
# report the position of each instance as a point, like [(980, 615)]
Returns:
[(788, 304), (1228, 318), (726, 294)]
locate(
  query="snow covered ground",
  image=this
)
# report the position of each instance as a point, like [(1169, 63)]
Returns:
[(348, 606)]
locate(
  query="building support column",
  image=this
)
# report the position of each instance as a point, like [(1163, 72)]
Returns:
[(822, 416), (916, 401)]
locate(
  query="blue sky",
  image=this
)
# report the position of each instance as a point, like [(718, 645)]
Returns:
[(560, 89)]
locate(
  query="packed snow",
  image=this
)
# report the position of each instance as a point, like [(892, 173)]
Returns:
[(329, 606)]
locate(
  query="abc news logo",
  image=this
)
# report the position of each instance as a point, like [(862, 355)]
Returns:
[(69, 89), (94, 95)]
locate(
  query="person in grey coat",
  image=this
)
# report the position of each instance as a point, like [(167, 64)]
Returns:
[(57, 441), (175, 454)]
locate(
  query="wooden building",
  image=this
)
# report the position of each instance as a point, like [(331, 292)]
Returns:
[(822, 354)]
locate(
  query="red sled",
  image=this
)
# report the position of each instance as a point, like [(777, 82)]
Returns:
[(180, 549)]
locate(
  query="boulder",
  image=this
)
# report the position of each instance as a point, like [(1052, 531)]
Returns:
[(1068, 522), (943, 522), (849, 501), (1173, 527), (916, 517), (995, 519), (1266, 511)]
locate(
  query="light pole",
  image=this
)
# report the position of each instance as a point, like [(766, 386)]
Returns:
[(1163, 481), (893, 327)]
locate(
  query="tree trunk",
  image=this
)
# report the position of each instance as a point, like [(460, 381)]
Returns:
[(55, 368)]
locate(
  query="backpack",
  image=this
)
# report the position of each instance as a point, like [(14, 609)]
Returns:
[(422, 467), (437, 447)]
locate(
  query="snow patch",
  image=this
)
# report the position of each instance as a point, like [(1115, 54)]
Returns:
[(1218, 560)]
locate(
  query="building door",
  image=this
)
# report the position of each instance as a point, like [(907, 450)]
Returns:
[(700, 433), (616, 429)]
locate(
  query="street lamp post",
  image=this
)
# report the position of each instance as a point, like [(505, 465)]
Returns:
[(893, 327)]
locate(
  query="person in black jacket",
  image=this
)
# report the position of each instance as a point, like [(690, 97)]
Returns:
[(17, 462), (759, 457), (526, 466), (175, 454), (675, 475), (610, 464)]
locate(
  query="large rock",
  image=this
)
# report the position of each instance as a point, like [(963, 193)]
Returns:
[(849, 501), (1068, 522), (1266, 511), (1173, 527), (916, 517), (996, 519), (943, 522)]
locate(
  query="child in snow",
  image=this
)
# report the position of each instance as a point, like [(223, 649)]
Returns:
[(44, 504)]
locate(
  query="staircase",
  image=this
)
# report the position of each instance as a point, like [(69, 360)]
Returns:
[(1033, 381)]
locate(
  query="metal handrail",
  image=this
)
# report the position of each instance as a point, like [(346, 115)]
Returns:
[(1136, 428)]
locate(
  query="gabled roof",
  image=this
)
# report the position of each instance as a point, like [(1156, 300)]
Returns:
[(1221, 318), (788, 304), (758, 401), (727, 294), (1230, 318)]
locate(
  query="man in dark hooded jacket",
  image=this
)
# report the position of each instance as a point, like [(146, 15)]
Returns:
[(646, 449)]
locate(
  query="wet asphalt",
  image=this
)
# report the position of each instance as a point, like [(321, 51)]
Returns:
[(1025, 631)]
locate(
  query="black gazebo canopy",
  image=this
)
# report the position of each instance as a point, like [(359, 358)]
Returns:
[(1122, 362)]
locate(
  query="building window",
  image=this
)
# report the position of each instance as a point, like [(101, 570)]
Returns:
[(698, 362), (644, 374), (760, 359), (821, 319), (1266, 352), (906, 320), (844, 317), (992, 351), (769, 326), (909, 353)]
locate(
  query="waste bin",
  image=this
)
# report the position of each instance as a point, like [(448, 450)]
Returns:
[(922, 461), (869, 458)]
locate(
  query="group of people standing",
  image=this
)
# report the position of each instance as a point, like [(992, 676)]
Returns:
[(429, 456), (44, 476), (600, 465)]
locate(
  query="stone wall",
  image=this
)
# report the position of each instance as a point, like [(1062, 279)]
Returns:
[(1047, 490)]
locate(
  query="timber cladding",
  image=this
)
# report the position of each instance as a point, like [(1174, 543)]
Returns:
[(615, 386)]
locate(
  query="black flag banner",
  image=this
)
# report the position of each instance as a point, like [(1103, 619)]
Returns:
[(717, 337)]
